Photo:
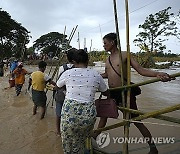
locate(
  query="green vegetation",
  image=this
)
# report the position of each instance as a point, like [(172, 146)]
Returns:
[(155, 30), (52, 42), (141, 57), (151, 41), (13, 37), (97, 56)]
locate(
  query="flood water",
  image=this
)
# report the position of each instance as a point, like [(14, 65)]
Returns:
[(23, 133)]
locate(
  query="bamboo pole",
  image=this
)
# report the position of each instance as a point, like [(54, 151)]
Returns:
[(57, 66), (101, 33), (91, 46), (63, 40), (72, 34), (84, 43), (120, 55), (141, 117), (23, 50), (126, 127), (78, 41), (70, 38), (161, 117), (119, 47), (89, 145), (144, 83), (125, 146), (64, 35), (59, 58)]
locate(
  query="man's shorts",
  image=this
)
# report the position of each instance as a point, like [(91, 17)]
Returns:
[(39, 98), (116, 94)]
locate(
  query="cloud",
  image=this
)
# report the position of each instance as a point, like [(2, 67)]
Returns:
[(94, 18)]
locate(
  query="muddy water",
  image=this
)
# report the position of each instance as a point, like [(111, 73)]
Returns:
[(23, 133), (154, 96)]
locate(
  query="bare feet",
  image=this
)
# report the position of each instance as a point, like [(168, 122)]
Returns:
[(34, 110), (42, 115), (43, 110)]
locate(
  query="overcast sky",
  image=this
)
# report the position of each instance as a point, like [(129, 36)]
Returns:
[(94, 18)]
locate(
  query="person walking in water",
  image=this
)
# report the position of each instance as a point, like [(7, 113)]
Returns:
[(1, 68), (113, 74), (19, 74), (78, 114), (38, 80), (60, 92)]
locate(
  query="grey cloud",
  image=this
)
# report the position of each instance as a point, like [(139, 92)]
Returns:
[(42, 16)]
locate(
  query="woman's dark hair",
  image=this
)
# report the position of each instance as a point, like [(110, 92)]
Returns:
[(42, 64), (81, 56), (111, 37), (70, 54)]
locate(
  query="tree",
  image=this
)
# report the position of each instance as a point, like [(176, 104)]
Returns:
[(13, 36), (156, 28), (52, 42), (177, 18)]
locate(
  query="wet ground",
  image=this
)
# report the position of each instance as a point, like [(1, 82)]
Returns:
[(23, 133)]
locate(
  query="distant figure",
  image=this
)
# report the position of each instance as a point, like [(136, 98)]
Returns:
[(78, 114), (38, 81), (1, 68), (5, 60), (60, 92), (13, 66), (19, 74), (112, 72)]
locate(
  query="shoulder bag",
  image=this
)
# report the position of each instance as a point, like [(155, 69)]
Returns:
[(106, 107)]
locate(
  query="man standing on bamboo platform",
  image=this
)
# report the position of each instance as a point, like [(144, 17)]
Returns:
[(112, 72)]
